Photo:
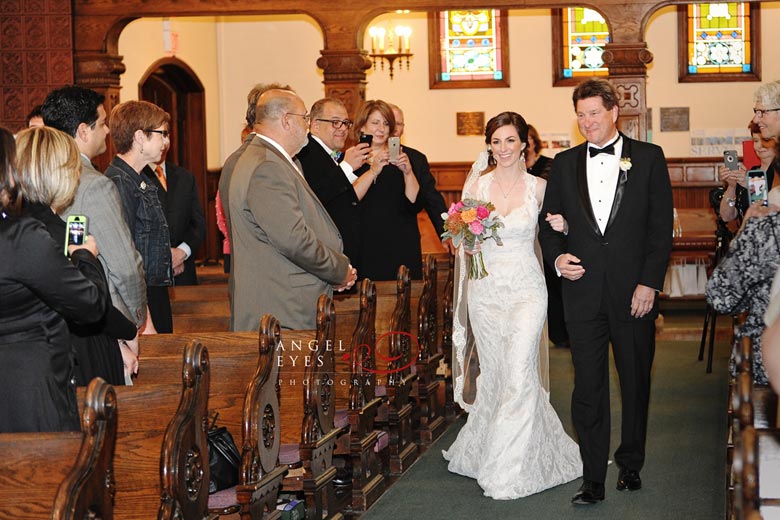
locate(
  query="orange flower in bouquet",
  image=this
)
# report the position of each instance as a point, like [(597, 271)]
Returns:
[(470, 222)]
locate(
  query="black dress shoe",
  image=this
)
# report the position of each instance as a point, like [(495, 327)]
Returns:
[(589, 493), (628, 479)]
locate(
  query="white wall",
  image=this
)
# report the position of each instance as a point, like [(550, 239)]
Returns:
[(232, 54), (141, 44)]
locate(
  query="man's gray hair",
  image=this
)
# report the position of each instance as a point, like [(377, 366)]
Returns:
[(768, 95), (254, 95), (273, 104)]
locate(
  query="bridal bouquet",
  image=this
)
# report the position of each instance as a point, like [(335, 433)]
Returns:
[(470, 222)]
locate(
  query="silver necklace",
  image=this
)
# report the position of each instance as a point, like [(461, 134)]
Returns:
[(507, 192)]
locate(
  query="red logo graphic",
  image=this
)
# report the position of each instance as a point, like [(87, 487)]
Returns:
[(414, 349)]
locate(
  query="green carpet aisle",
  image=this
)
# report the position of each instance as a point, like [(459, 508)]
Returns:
[(683, 477)]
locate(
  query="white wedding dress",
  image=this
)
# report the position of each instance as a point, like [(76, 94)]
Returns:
[(513, 442)]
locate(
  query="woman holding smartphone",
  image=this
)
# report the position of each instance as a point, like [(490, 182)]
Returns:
[(40, 289), (736, 199), (389, 188)]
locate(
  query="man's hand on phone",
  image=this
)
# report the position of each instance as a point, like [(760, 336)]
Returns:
[(356, 156)]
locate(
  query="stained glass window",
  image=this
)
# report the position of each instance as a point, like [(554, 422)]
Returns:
[(472, 49), (719, 42), (579, 37)]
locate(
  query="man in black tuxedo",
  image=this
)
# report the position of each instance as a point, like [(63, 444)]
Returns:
[(616, 197), (432, 200), (178, 194), (329, 171)]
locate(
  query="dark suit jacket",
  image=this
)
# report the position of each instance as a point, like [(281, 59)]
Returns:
[(431, 199), (636, 244), (184, 214), (327, 180)]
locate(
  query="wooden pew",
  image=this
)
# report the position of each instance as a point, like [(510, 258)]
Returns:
[(356, 401), (431, 418), (243, 391), (446, 300), (161, 457), (63, 475)]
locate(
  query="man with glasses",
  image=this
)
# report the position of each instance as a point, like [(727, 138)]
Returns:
[(329, 171), (616, 196), (286, 248)]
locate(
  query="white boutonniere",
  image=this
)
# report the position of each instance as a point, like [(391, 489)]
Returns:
[(625, 163)]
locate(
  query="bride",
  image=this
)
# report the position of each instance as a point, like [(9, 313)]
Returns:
[(513, 443)]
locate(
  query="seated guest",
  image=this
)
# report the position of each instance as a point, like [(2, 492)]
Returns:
[(735, 200), (331, 178), (49, 166), (139, 131), (40, 288), (742, 280), (179, 197)]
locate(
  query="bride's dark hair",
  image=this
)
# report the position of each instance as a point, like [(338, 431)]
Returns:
[(503, 119)]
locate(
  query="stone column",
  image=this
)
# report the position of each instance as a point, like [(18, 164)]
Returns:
[(627, 64)]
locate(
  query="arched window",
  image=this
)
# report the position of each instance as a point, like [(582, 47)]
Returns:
[(579, 37), (468, 49), (719, 42)]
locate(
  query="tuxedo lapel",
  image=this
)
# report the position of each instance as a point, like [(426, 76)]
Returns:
[(621, 185), (582, 188)]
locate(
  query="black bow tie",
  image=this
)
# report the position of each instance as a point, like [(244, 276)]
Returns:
[(609, 149)]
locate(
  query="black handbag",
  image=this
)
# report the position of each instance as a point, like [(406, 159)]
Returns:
[(224, 458)]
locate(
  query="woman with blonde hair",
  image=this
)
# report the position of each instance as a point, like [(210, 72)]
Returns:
[(49, 167), (139, 131), (40, 289)]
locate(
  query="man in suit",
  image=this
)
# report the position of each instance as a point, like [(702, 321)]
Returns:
[(329, 171), (432, 200), (79, 112), (179, 198), (286, 248), (616, 197)]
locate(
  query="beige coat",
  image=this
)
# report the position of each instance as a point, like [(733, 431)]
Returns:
[(286, 249)]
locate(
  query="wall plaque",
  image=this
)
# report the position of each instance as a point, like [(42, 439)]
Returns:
[(470, 123), (675, 119)]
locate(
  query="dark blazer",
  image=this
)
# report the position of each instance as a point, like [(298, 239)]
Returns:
[(429, 196), (327, 180), (184, 214), (637, 242)]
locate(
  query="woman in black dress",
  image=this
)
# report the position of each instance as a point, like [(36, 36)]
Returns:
[(390, 236), (49, 166), (39, 289)]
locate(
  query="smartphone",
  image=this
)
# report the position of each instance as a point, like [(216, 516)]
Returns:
[(731, 160), (757, 186), (76, 231), (366, 138), (394, 143)]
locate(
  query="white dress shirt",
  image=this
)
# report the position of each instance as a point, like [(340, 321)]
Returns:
[(603, 171), (344, 165), (281, 151), (184, 246)]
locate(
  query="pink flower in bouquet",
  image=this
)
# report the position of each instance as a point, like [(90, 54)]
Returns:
[(482, 212), (469, 215), (476, 227), (453, 209)]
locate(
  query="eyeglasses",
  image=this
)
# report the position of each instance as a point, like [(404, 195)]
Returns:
[(305, 117), (337, 123), (164, 133), (762, 112)]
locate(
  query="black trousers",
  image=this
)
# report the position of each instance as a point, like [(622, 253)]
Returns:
[(633, 347), (160, 308)]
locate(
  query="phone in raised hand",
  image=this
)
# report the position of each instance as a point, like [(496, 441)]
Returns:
[(394, 144), (76, 231)]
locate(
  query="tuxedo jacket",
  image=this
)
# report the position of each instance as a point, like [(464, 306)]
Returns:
[(635, 247), (184, 214), (286, 248), (327, 180), (98, 198)]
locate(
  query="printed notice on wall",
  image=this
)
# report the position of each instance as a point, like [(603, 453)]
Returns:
[(712, 142)]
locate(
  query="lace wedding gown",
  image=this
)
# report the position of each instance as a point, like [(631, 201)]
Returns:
[(513, 442)]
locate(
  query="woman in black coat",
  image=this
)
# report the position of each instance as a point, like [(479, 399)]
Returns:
[(48, 169), (39, 288)]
